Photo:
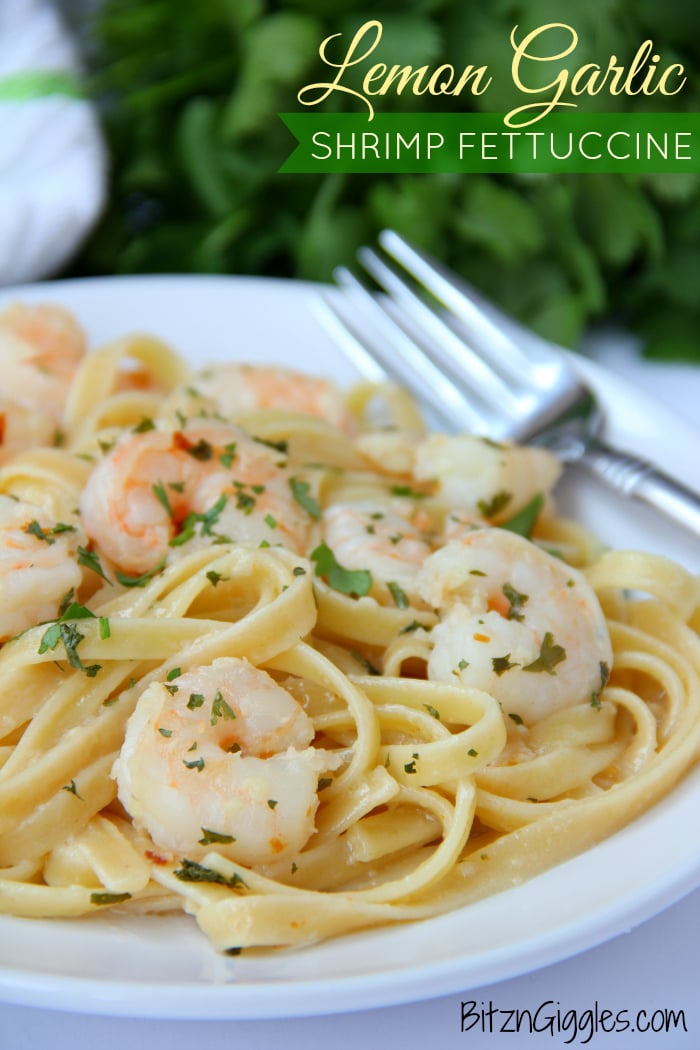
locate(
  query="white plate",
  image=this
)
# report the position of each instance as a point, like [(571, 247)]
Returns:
[(163, 967)]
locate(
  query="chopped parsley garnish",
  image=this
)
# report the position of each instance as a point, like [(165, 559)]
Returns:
[(211, 516), (406, 490), (604, 675), (47, 535), (196, 700), (201, 451), (516, 718), (301, 490), (209, 837), (72, 790), (354, 582), (398, 595), (206, 519), (105, 629), (497, 503), (369, 667), (139, 581), (228, 455), (410, 767), (245, 502), (214, 577), (191, 871), (272, 802), (279, 446), (516, 599), (66, 601), (162, 497), (220, 709), (144, 426), (270, 521), (550, 655), (523, 521), (414, 625), (109, 898), (324, 782), (298, 570), (198, 764), (91, 561), (501, 664), (432, 711), (64, 630)]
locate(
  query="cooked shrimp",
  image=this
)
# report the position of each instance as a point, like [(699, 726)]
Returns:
[(222, 759), (40, 347), (516, 622), (38, 566), (23, 428), (238, 388), (206, 482), (485, 478), (370, 537)]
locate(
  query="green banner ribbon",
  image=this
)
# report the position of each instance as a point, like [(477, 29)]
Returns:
[(421, 143), (39, 83)]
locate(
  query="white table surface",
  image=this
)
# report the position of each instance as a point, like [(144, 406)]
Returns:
[(653, 967)]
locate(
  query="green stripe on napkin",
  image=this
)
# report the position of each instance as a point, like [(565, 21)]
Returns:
[(39, 83)]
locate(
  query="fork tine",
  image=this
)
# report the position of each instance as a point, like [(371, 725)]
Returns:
[(362, 320), (488, 327), (449, 351)]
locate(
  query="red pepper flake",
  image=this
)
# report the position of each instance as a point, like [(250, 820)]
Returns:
[(155, 858)]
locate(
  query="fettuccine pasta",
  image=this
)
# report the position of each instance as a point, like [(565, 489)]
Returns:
[(275, 657)]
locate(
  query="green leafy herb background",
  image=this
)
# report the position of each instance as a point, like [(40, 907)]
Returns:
[(189, 94)]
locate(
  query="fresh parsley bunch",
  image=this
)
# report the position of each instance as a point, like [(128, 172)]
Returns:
[(189, 96)]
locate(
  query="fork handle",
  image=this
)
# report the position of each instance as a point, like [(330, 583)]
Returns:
[(640, 480)]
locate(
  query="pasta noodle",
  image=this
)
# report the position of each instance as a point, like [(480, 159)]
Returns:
[(250, 654)]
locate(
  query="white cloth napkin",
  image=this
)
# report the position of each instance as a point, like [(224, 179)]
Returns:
[(52, 156)]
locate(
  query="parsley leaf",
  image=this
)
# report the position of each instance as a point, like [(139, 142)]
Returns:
[(301, 490), (355, 582), (64, 630), (191, 871), (209, 837), (490, 508), (109, 898), (398, 595), (139, 581), (517, 599), (91, 560), (220, 709), (501, 664), (550, 655), (523, 521)]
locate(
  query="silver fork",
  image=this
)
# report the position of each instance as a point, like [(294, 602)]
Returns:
[(476, 369)]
